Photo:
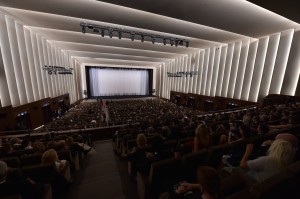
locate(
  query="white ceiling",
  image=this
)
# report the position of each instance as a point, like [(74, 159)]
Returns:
[(205, 23)]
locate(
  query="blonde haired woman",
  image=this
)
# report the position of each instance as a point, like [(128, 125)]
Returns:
[(280, 154), (202, 139), (62, 166)]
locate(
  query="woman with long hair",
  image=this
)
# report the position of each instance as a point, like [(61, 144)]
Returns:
[(202, 139)]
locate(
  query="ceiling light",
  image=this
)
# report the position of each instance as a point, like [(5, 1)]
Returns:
[(165, 41), (171, 42), (153, 40), (187, 43), (111, 33), (83, 29), (176, 42), (120, 34)]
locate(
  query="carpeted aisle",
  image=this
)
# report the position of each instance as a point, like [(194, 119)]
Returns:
[(100, 178)]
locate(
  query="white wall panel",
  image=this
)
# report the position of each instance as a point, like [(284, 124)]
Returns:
[(227, 70), (214, 79), (292, 72), (24, 62), (204, 73), (258, 68), (221, 70), (8, 64), (188, 69), (249, 70), (4, 91), (241, 69), (210, 70), (200, 72), (234, 68), (39, 66), (45, 59), (269, 65), (31, 64), (281, 61)]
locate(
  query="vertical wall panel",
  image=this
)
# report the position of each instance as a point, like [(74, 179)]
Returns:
[(33, 76), (221, 70), (210, 70), (241, 69), (189, 79), (214, 79), (269, 65), (234, 68), (204, 73), (4, 91), (200, 72), (8, 63), (227, 69), (292, 72), (41, 64), (249, 70), (24, 62), (281, 61), (47, 77), (258, 68)]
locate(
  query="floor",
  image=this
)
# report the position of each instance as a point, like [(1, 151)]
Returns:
[(103, 176)]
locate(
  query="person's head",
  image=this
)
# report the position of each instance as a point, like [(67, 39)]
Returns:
[(49, 156), (141, 140), (283, 152), (38, 147), (3, 170), (202, 132), (69, 141), (209, 181), (51, 144)]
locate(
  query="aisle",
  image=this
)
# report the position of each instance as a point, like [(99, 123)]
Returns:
[(101, 179)]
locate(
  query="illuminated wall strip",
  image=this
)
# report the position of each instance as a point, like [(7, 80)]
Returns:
[(210, 70), (182, 66), (173, 71), (8, 63), (16, 62), (192, 64), (215, 71), (281, 61), (24, 62), (4, 92), (249, 70), (241, 69), (226, 75), (221, 70), (46, 62), (55, 78), (269, 65), (258, 68), (200, 72), (188, 68), (234, 68), (195, 64), (204, 73), (52, 77), (197, 68), (60, 86), (29, 52), (292, 72), (40, 64)]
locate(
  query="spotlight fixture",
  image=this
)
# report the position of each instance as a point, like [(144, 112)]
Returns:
[(165, 41), (142, 38), (176, 43), (153, 40), (102, 32), (111, 31), (153, 37), (132, 35), (171, 42), (83, 29), (187, 44)]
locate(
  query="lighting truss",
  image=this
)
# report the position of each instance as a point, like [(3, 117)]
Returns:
[(153, 37)]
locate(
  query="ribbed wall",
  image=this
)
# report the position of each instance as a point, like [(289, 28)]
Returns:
[(246, 70), (23, 55)]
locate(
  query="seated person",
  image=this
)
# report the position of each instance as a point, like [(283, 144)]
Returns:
[(208, 186), (26, 188), (61, 166), (280, 155)]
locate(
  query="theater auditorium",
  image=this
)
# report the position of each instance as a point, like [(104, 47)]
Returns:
[(161, 99)]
